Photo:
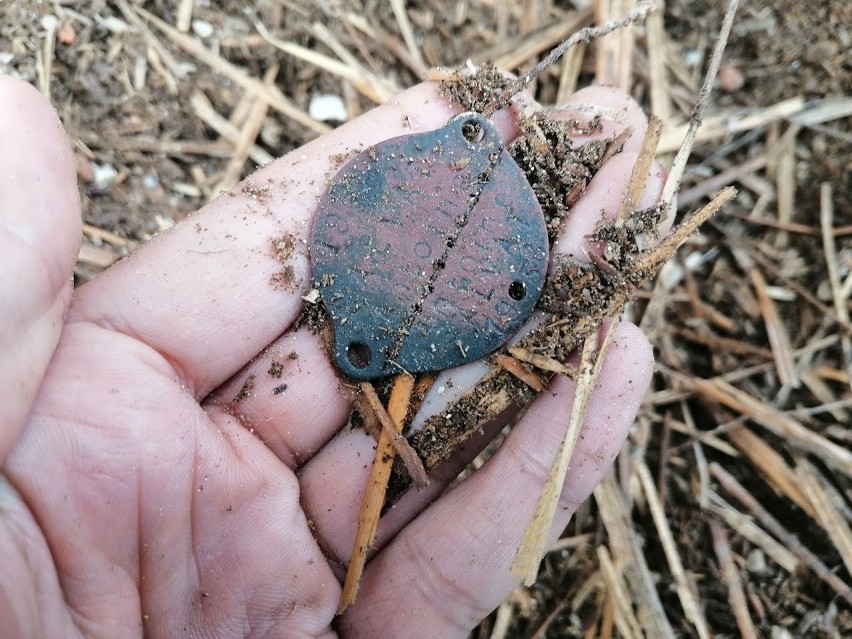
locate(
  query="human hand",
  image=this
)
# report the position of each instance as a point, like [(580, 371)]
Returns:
[(137, 497)]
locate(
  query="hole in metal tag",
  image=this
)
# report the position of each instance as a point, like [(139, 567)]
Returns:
[(429, 251)]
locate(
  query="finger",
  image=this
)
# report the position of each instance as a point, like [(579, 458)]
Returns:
[(39, 241), (618, 112), (450, 567), (334, 481), (290, 396), (297, 413), (603, 198)]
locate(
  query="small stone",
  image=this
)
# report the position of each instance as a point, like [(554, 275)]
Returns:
[(202, 28), (756, 562), (730, 78), (103, 175), (163, 223), (66, 34), (49, 22), (327, 107), (777, 632), (691, 57)]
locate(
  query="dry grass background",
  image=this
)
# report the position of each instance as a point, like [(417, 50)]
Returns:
[(728, 513)]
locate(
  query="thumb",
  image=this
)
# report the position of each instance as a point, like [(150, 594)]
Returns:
[(39, 241)]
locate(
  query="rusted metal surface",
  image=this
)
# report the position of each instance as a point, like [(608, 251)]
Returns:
[(429, 251)]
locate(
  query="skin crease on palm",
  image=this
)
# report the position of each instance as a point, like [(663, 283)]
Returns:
[(132, 503)]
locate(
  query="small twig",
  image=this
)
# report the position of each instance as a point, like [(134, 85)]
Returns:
[(516, 368), (400, 444), (779, 340), (656, 41), (377, 485), (642, 168), (689, 196), (572, 66), (679, 163), (639, 12), (272, 95), (247, 136), (625, 543), (184, 15), (362, 79), (736, 596), (542, 362), (744, 526), (534, 542), (614, 51), (826, 218), (665, 249), (769, 522), (616, 589), (829, 517), (512, 52), (685, 589), (776, 421), (204, 110), (730, 121), (170, 69), (772, 465), (404, 24)]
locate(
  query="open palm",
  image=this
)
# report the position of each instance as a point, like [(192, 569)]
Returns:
[(152, 481)]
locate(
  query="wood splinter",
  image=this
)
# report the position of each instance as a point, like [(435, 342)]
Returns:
[(412, 462), (377, 483)]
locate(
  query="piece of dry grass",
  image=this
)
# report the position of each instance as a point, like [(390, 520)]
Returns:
[(534, 543), (272, 95), (639, 591), (774, 420), (730, 575), (745, 526), (770, 523), (832, 521), (684, 583), (246, 137), (623, 616), (773, 466), (374, 497), (839, 292)]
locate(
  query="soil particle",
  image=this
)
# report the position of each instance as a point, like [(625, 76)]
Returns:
[(480, 91), (557, 169), (283, 247), (285, 279), (244, 392), (261, 194)]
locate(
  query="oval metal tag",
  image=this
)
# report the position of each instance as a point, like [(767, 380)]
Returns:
[(428, 250)]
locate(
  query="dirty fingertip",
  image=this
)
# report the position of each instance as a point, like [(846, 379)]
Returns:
[(617, 110)]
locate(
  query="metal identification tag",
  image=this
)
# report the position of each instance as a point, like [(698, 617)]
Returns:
[(429, 251)]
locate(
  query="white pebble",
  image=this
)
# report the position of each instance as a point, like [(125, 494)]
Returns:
[(326, 106), (202, 28), (103, 175)]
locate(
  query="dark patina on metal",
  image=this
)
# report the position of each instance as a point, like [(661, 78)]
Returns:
[(429, 251)]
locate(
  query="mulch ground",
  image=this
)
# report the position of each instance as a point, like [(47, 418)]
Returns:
[(729, 510)]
